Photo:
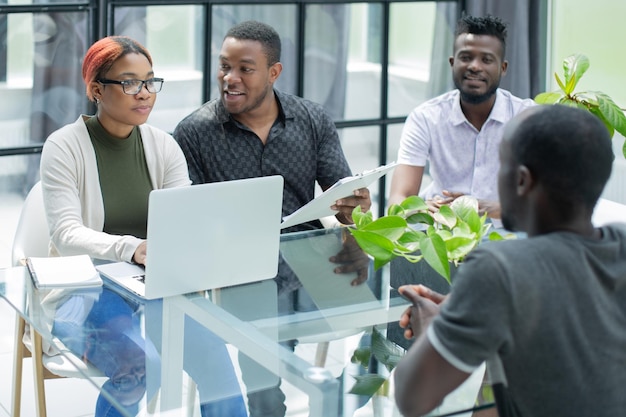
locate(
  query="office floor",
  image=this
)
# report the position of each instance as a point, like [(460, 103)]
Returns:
[(75, 397)]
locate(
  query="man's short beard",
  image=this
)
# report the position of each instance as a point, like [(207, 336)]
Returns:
[(477, 99), (473, 98)]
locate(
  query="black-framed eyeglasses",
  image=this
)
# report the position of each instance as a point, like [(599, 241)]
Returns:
[(132, 87)]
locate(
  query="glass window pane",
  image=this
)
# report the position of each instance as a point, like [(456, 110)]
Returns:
[(360, 145), (15, 88), (420, 42), (58, 90), (570, 20), (363, 82), (393, 144), (283, 18), (174, 37), (26, 2), (43, 89), (15, 182), (18, 29), (569, 23), (326, 56), (394, 132)]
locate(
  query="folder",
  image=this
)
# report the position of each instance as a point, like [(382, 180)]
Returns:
[(320, 206)]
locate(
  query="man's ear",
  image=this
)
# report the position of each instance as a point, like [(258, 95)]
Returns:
[(275, 71), (505, 65), (525, 180), (451, 61)]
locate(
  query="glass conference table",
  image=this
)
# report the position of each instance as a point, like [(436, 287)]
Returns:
[(151, 350)]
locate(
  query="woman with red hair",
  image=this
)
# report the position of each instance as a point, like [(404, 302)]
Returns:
[(96, 175), (109, 160)]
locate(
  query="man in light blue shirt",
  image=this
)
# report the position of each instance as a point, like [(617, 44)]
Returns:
[(459, 132)]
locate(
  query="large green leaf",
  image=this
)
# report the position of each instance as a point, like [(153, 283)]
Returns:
[(423, 218), (463, 204), (612, 113), (387, 352), (472, 219), (485, 228), (359, 218), (395, 210), (548, 98), (445, 233), (367, 384), (574, 66), (411, 239), (461, 229), (414, 203), (379, 247), (571, 85), (391, 227), (598, 113), (361, 356), (445, 216), (459, 247), (559, 82), (456, 242), (434, 251), (380, 262)]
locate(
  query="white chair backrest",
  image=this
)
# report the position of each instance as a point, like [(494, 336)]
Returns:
[(31, 236)]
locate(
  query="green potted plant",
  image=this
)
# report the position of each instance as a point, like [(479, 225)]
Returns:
[(597, 102), (386, 353), (411, 231)]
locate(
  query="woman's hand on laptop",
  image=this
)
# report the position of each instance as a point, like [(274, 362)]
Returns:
[(140, 253)]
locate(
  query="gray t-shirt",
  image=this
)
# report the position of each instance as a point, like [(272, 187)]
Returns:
[(553, 307)]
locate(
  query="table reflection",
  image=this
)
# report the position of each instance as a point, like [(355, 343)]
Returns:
[(105, 329)]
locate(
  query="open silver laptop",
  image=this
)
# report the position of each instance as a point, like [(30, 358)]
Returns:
[(207, 236)]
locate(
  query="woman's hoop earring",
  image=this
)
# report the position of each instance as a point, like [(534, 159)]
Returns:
[(97, 100)]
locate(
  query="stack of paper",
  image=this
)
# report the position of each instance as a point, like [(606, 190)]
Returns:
[(63, 272)]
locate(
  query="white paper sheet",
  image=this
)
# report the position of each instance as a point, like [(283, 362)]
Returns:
[(320, 206)]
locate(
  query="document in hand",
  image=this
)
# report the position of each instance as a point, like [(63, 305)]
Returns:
[(320, 206), (63, 272)]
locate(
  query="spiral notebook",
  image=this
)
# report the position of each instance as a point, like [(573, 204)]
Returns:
[(63, 272)]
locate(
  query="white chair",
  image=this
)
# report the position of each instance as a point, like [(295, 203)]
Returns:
[(32, 239)]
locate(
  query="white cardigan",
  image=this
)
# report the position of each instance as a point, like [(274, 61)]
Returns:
[(72, 195)]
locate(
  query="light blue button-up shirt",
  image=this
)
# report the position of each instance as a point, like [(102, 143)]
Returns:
[(462, 159)]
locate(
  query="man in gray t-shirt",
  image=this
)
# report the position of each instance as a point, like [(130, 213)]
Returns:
[(551, 307)]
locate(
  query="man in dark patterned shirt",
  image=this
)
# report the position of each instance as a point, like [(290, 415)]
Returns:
[(253, 130)]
